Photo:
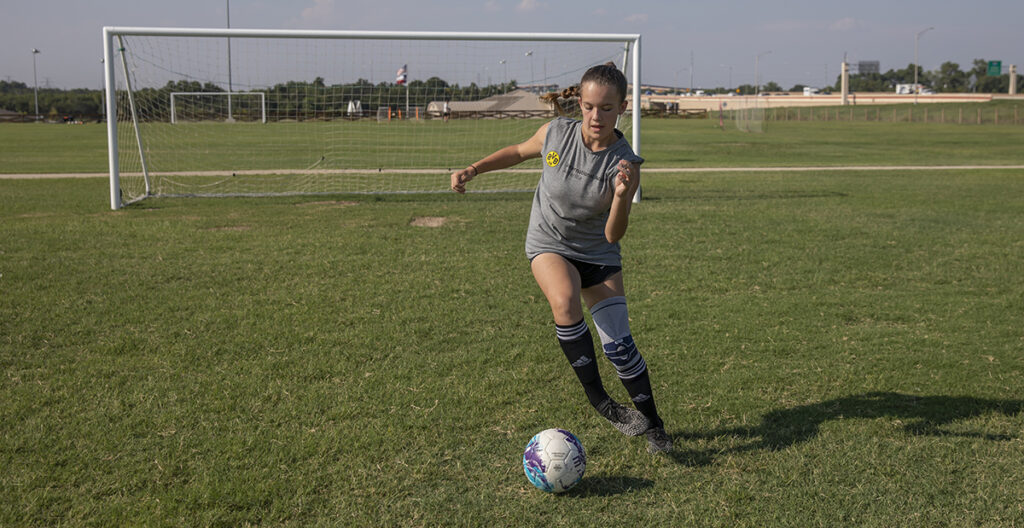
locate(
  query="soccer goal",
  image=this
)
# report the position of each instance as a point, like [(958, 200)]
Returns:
[(278, 112), (748, 113)]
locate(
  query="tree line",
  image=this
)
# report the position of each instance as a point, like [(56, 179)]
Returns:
[(313, 99), (948, 78), (292, 99), (20, 97)]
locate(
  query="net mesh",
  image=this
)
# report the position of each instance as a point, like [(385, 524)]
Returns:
[(332, 115), (748, 114)]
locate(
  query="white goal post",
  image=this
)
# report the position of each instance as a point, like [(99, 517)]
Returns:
[(338, 111), (224, 113)]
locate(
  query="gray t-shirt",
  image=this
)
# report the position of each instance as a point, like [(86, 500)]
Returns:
[(574, 196)]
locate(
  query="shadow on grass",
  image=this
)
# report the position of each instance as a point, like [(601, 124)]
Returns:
[(920, 415), (609, 486)]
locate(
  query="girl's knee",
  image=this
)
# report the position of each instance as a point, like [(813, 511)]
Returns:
[(565, 310)]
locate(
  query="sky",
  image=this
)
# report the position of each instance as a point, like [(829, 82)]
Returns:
[(702, 44)]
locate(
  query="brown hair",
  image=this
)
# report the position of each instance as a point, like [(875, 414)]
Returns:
[(606, 74)]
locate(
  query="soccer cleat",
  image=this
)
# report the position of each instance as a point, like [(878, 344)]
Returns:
[(658, 441), (628, 421)]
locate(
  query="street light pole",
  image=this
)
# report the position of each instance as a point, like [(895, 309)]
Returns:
[(505, 80), (530, 55), (757, 75), (35, 82), (227, 8), (691, 72), (917, 36)]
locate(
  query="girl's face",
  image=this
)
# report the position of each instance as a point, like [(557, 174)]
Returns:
[(601, 106)]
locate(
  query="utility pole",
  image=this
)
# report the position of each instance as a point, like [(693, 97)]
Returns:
[(691, 72), (917, 37), (35, 81)]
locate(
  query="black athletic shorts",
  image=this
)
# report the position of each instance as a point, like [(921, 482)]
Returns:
[(592, 274)]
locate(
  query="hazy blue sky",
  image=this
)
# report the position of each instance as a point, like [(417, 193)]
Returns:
[(807, 38)]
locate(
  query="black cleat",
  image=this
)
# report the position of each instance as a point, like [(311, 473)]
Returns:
[(658, 441), (628, 421)]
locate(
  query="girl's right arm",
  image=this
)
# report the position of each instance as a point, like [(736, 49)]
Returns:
[(502, 159)]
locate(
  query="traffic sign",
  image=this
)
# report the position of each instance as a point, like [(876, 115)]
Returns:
[(995, 68)]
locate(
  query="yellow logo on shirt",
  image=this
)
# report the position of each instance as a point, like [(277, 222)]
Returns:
[(552, 158)]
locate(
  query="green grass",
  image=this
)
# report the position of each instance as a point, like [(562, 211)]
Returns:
[(828, 349), (812, 144), (32, 148), (995, 112)]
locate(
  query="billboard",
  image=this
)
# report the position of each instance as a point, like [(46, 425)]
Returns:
[(868, 67)]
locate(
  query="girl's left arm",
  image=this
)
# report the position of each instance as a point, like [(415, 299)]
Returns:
[(626, 183)]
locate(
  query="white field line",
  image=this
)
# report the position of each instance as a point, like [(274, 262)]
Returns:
[(445, 171)]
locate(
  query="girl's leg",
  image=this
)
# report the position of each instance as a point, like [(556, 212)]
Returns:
[(607, 304), (560, 282)]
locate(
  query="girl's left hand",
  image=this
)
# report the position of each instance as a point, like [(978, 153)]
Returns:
[(627, 179)]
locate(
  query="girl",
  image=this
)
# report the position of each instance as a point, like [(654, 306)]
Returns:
[(580, 211)]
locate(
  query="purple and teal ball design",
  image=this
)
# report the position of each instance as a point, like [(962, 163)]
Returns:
[(534, 465), (554, 460)]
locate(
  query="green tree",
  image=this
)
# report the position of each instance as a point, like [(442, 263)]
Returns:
[(948, 78)]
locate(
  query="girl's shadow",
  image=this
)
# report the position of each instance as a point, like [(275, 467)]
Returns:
[(609, 486), (922, 415)]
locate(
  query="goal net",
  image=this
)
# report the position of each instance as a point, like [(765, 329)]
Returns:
[(748, 114), (232, 112), (218, 106)]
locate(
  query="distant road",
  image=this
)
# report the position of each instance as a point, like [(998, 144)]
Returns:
[(790, 100)]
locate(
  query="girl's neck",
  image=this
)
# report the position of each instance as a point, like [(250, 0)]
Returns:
[(597, 145)]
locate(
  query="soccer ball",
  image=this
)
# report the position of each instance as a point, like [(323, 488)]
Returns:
[(554, 460)]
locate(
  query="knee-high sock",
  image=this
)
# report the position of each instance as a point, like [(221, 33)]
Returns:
[(578, 346), (611, 318)]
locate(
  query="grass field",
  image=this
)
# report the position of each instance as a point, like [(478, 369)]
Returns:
[(827, 348), (667, 142)]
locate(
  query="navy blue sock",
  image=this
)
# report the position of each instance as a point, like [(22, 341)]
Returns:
[(578, 347), (639, 389)]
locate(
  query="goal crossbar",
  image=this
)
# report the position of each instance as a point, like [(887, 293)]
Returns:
[(114, 57)]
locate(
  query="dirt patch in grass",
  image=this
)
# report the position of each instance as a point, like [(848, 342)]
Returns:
[(229, 228), (428, 221), (332, 203)]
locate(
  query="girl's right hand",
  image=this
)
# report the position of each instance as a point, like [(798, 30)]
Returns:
[(461, 177)]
